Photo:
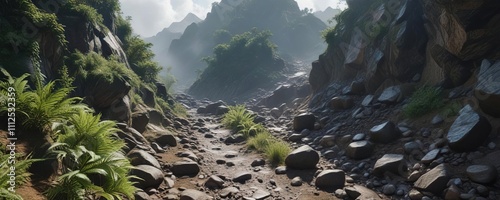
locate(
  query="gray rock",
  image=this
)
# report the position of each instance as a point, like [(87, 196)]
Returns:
[(140, 121), (304, 121), (339, 103), (275, 112), (483, 174), (141, 195), (358, 137), (302, 158), (258, 162), (360, 192), (390, 95), (214, 182), (327, 141), (184, 168), (389, 189), (487, 90), (412, 146), (330, 179), (229, 191), (384, 133), (261, 194), (453, 192), (469, 130), (430, 156), (435, 180), (367, 100), (157, 147), (221, 110), (242, 177), (394, 163), (166, 139), (150, 177), (359, 150), (415, 194), (280, 170), (295, 137), (437, 120), (140, 157), (297, 181), (190, 194), (236, 138)]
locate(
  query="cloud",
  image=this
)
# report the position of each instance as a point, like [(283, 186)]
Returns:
[(151, 16)]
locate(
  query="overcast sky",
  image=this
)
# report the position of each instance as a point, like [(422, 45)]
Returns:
[(151, 16)]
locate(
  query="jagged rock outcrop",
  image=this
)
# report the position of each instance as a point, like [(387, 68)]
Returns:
[(410, 40)]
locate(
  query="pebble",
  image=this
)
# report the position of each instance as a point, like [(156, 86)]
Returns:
[(389, 189)]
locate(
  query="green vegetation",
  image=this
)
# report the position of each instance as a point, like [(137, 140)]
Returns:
[(451, 109), (86, 146), (22, 176), (140, 58), (239, 120), (247, 62), (423, 101)]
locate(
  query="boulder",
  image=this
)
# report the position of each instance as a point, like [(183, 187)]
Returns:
[(140, 121), (384, 133), (394, 163), (469, 131), (149, 176), (242, 177), (214, 182), (140, 157), (221, 110), (191, 194), (327, 141), (343, 102), (185, 168), (483, 174), (360, 150), (213, 107), (487, 90), (330, 179), (166, 139), (435, 180), (304, 121), (302, 158), (391, 95)]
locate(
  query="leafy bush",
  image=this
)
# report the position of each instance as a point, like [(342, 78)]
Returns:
[(140, 58), (22, 176), (237, 116), (423, 101), (93, 65), (277, 151)]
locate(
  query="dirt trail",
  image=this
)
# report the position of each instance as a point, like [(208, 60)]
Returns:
[(226, 161)]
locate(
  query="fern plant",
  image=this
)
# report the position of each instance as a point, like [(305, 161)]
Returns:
[(90, 174), (22, 176), (237, 116)]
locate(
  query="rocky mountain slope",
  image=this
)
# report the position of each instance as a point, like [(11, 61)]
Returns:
[(327, 14)]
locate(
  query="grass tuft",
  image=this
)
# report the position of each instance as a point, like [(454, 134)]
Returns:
[(260, 142), (236, 117), (277, 151), (423, 101)]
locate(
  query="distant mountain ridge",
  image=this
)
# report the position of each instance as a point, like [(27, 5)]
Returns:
[(327, 14), (179, 27)]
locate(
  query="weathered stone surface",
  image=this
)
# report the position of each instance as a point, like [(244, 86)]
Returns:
[(236, 138), (430, 156), (330, 179), (303, 157), (390, 95), (191, 194), (297, 181), (229, 191), (359, 150), (367, 101), (141, 195), (140, 157), (214, 182), (261, 194), (140, 121), (469, 130), (183, 168), (166, 139), (304, 121), (483, 174), (342, 102), (488, 88), (327, 141), (150, 177), (384, 133), (242, 177), (434, 180), (360, 192), (394, 163)]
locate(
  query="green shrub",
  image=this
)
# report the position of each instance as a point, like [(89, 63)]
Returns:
[(277, 151), (140, 57), (22, 176), (451, 109), (260, 141), (179, 110), (251, 129), (423, 101), (237, 116)]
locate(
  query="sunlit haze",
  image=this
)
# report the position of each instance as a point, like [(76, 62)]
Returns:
[(151, 16)]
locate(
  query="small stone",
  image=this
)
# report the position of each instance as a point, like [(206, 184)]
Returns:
[(359, 150), (297, 181), (242, 177), (429, 157), (434, 180), (258, 162), (214, 182), (482, 173), (394, 163), (389, 189), (330, 179), (280, 170), (492, 145), (437, 120), (260, 194), (390, 95), (358, 137)]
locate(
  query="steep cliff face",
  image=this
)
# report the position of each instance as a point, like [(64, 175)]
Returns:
[(433, 42)]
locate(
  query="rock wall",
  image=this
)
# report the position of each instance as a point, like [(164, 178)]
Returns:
[(434, 42)]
